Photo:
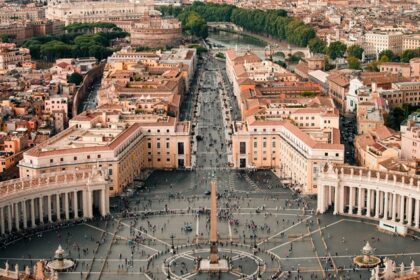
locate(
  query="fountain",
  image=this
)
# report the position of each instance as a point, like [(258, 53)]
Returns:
[(367, 259), (60, 263)]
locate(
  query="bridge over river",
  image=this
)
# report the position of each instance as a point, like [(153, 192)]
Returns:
[(272, 47)]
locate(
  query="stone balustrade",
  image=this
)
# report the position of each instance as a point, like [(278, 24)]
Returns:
[(51, 197), (388, 196)]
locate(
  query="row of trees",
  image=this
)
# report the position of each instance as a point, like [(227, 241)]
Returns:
[(273, 23), (72, 45), (77, 27)]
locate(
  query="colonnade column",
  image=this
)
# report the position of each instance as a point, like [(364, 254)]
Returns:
[(75, 205), (402, 208), (329, 201), (87, 204), (49, 208), (33, 224), (104, 211), (386, 206), (359, 201), (351, 200), (377, 210), (66, 206), (2, 225), (336, 200), (368, 205), (394, 207), (41, 209), (417, 213), (25, 217), (17, 220), (9, 218), (410, 211), (57, 197)]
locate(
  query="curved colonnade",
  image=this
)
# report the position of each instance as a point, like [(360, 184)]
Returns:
[(365, 193), (53, 197)]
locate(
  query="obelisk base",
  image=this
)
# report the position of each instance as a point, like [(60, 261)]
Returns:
[(206, 266)]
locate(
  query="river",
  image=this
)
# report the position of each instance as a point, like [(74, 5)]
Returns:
[(234, 40)]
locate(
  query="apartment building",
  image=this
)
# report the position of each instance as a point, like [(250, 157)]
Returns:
[(378, 41), (11, 56), (123, 144), (411, 42), (402, 93), (410, 138), (296, 155)]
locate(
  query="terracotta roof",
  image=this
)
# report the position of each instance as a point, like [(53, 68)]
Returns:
[(339, 79)]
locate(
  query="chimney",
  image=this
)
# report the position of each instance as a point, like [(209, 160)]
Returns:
[(374, 87)]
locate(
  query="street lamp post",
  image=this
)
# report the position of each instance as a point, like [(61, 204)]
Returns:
[(168, 267), (172, 243)]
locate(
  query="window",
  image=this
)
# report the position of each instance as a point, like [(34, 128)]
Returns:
[(274, 144), (99, 156), (61, 159), (264, 144), (149, 145), (180, 148), (326, 154), (88, 157), (255, 144), (158, 145), (75, 158), (51, 160), (242, 148), (337, 154), (167, 145)]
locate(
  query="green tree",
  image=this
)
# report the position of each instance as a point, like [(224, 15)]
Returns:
[(75, 78), (407, 55), (7, 38), (316, 45), (336, 49), (354, 62), (355, 51), (373, 66), (387, 55)]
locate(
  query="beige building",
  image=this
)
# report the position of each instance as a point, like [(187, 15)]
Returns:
[(402, 93), (11, 56), (97, 11), (241, 69), (410, 138), (296, 155), (122, 144), (411, 42), (402, 69), (377, 41)]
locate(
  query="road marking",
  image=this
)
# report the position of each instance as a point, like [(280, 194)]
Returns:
[(305, 235), (197, 229), (271, 237), (230, 232), (151, 236)]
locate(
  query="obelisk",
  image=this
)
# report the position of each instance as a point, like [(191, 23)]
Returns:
[(214, 257)]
